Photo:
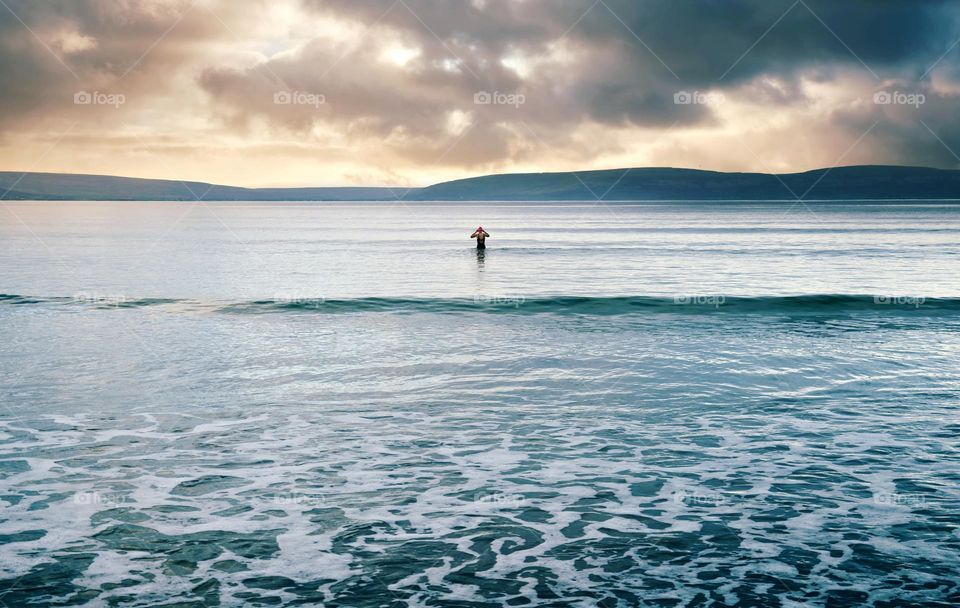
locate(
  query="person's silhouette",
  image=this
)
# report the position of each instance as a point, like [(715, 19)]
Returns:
[(480, 234)]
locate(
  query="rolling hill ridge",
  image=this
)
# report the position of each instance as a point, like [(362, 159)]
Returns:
[(871, 182)]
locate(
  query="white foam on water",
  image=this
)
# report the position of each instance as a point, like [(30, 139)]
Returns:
[(400, 476)]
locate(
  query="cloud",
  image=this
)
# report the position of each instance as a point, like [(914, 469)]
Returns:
[(910, 123), (430, 89)]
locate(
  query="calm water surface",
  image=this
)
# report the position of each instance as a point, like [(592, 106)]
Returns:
[(345, 405)]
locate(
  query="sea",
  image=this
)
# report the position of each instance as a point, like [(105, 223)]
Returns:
[(348, 405)]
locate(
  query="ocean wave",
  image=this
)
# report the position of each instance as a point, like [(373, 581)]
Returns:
[(706, 303)]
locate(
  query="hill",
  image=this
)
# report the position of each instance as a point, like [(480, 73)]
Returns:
[(641, 184), (663, 184), (61, 186)]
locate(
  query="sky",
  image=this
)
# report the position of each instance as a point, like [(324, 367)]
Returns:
[(413, 92)]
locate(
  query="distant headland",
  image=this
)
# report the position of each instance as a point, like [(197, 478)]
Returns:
[(855, 183)]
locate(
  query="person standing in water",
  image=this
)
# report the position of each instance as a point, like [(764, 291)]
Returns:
[(480, 234)]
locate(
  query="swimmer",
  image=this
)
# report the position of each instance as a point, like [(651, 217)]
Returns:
[(480, 234)]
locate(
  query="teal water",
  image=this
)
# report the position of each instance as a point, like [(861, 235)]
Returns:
[(346, 405)]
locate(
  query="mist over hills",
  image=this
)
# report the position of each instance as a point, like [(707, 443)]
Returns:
[(871, 182)]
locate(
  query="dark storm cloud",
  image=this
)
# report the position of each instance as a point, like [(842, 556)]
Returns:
[(914, 125), (698, 40), (706, 40), (626, 61), (693, 42)]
